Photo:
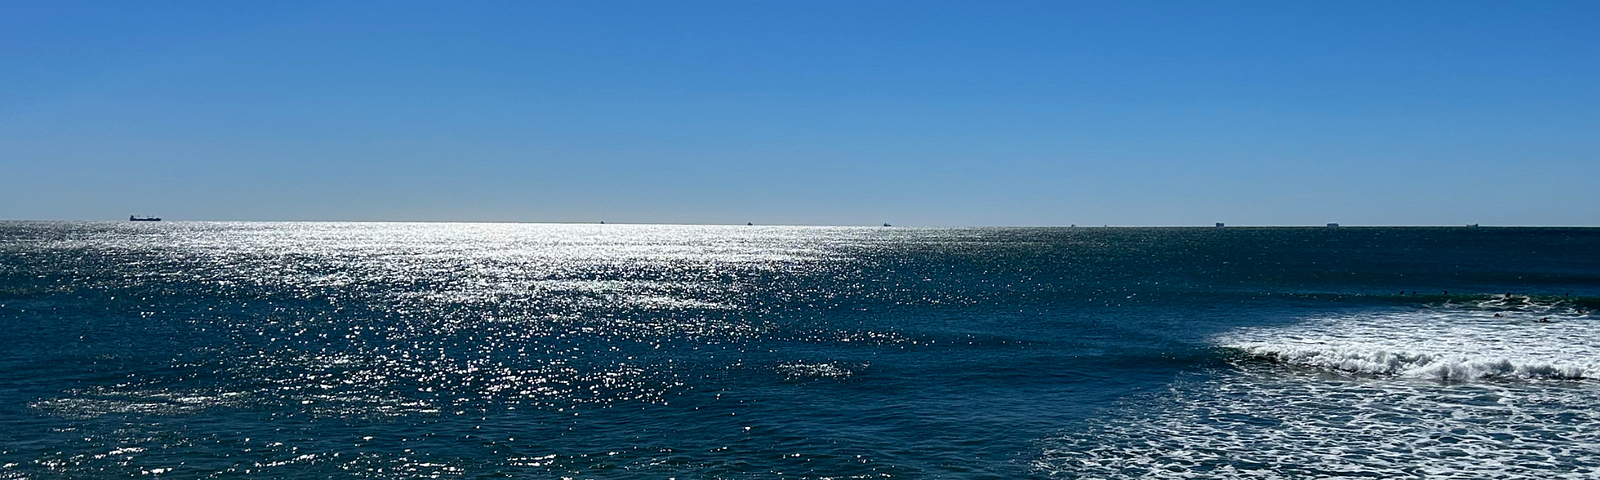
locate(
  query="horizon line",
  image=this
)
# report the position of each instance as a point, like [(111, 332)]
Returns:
[(1215, 225)]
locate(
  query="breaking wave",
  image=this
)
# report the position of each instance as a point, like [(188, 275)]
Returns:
[(1449, 343), (1451, 391)]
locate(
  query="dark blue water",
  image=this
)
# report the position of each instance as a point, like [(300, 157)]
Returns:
[(310, 350)]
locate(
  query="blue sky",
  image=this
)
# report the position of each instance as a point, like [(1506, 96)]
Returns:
[(804, 112)]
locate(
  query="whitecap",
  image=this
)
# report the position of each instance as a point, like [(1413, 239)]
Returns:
[(1448, 344)]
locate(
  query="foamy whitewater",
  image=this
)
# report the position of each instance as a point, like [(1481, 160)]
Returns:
[(1445, 391), (392, 350), (1492, 340)]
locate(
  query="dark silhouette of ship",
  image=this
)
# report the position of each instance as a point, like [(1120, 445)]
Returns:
[(136, 218)]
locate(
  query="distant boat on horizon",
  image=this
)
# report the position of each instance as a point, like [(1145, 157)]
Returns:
[(136, 218)]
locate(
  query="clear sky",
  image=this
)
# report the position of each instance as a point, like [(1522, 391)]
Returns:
[(804, 112)]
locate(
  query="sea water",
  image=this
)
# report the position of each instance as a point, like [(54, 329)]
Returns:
[(390, 350)]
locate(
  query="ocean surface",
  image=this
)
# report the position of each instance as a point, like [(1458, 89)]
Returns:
[(432, 350)]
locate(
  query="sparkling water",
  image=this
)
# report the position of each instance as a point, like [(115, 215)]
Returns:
[(385, 350)]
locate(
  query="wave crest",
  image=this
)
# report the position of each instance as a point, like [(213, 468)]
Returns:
[(1444, 367)]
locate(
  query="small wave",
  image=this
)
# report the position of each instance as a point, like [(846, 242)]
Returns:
[(663, 302), (94, 404), (805, 371)]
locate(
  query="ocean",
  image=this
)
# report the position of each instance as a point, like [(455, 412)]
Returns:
[(440, 350)]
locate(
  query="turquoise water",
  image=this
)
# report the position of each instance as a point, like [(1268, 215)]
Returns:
[(310, 350)]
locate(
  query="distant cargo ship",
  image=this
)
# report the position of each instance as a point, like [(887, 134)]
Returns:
[(134, 218)]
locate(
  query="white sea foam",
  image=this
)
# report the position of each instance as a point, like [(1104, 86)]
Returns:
[(1448, 343), (1266, 422), (1370, 405)]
